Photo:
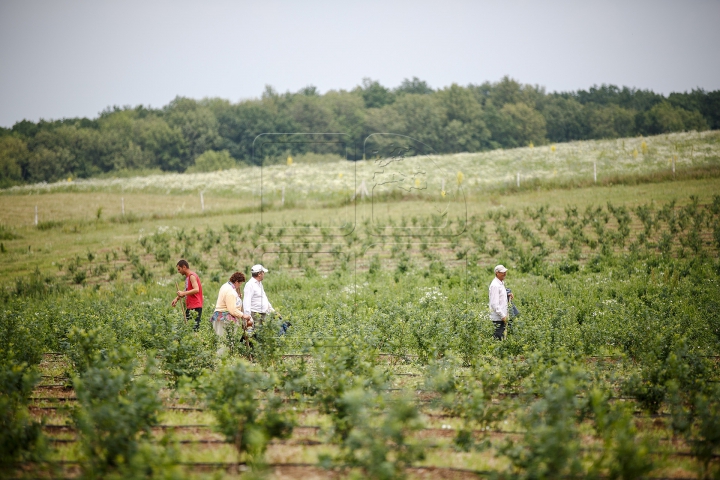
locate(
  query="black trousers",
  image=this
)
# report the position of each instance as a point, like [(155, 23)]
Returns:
[(258, 318), (198, 312), (499, 329)]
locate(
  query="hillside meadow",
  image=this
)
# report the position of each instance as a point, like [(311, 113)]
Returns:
[(562, 164)]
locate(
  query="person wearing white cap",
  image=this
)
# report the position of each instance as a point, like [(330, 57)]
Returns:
[(255, 301), (499, 302)]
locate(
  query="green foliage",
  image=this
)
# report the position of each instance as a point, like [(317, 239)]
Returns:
[(13, 155), (551, 447), (266, 342), (375, 95), (116, 412), (79, 277), (517, 125), (468, 330), (633, 317), (377, 438), (6, 233), (185, 353), (212, 161), (340, 370), (36, 285), (705, 436), (664, 118), (623, 453), (671, 367), (21, 437), (246, 421), (83, 346), (554, 442), (471, 400), (22, 338), (296, 380)]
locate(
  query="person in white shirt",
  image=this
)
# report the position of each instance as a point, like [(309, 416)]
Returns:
[(255, 302), (499, 302)]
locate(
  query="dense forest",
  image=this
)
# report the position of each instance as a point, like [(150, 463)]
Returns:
[(197, 135)]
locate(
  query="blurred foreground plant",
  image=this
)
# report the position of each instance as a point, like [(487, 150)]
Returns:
[(115, 416), (245, 421)]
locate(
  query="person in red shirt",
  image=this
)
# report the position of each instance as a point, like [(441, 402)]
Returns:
[(192, 293)]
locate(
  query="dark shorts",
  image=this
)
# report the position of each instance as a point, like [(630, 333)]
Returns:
[(197, 312), (499, 329)]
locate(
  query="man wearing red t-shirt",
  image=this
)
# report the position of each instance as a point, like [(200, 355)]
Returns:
[(192, 293)]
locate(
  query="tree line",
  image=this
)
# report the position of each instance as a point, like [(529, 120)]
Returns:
[(214, 133)]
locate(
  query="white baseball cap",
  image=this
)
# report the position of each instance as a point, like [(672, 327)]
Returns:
[(258, 268), (499, 268)]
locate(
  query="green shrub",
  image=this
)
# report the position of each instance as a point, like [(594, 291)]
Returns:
[(49, 224), (705, 436), (552, 446), (267, 343), (378, 431), (212, 161), (184, 353), (296, 380), (672, 366), (469, 398), (83, 347), (36, 285), (22, 337), (339, 370), (80, 277), (6, 233), (116, 412), (230, 394), (21, 438), (623, 452)]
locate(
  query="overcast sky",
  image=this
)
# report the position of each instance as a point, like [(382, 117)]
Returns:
[(74, 58)]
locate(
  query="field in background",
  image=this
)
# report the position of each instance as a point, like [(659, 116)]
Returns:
[(77, 230), (550, 165)]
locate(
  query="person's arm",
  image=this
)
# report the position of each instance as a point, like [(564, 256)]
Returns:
[(194, 284), (193, 290), (266, 300)]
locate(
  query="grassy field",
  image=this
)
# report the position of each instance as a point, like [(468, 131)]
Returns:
[(389, 369), (568, 163), (75, 228)]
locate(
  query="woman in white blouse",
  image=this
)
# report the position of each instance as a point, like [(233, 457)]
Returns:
[(229, 306)]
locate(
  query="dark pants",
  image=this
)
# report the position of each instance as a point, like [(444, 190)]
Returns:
[(499, 329), (258, 318), (197, 311)]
